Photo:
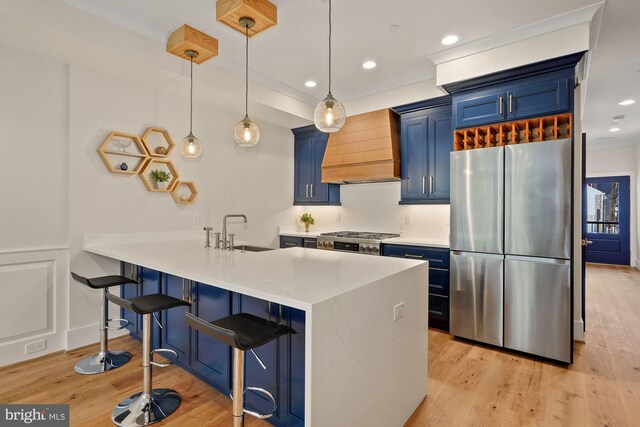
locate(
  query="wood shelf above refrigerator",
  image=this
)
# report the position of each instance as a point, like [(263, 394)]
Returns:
[(519, 132)]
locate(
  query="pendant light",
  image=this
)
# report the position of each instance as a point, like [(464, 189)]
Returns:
[(190, 146), (246, 132), (330, 114)]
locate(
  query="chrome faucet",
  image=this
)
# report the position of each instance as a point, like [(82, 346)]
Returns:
[(207, 243), (225, 243)]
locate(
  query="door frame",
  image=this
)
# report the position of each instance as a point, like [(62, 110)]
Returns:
[(633, 214)]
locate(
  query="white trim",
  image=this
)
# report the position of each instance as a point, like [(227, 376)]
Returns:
[(633, 214), (578, 330)]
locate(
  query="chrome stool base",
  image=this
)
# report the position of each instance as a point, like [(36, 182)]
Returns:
[(142, 410), (102, 362)]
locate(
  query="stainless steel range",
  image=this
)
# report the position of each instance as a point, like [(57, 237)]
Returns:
[(353, 241)]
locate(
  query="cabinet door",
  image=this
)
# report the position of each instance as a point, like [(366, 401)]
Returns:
[(479, 108), (440, 146), (303, 154), (291, 363), (290, 241), (539, 98), (414, 157), (255, 376), (211, 358), (175, 331), (319, 192), (310, 243)]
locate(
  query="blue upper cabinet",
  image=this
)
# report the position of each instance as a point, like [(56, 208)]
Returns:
[(310, 145), (532, 96), (426, 141), (480, 108)]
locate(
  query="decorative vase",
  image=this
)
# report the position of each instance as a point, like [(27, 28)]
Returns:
[(124, 166), (306, 227), (160, 185)]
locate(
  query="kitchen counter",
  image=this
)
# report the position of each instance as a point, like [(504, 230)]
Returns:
[(417, 241), (361, 366)]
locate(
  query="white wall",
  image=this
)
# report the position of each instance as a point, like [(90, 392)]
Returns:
[(33, 216), (616, 161), (637, 206)]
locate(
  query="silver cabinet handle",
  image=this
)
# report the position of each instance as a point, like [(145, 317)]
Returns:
[(289, 244), (431, 185), (312, 191), (307, 192), (586, 242), (413, 256), (184, 297), (511, 103), (424, 184), (500, 105)]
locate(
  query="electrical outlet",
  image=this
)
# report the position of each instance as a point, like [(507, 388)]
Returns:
[(408, 219), (196, 218), (35, 347), (398, 311), (338, 217)]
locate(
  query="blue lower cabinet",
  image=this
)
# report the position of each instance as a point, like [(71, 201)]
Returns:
[(292, 370), (291, 241), (211, 359), (175, 330), (149, 283), (130, 291)]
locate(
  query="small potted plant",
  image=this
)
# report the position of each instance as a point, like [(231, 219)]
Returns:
[(160, 178), (307, 220)]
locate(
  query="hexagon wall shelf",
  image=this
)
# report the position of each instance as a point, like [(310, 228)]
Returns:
[(154, 163), (184, 193), (155, 138), (120, 148)]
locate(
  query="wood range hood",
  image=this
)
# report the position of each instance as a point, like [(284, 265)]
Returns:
[(366, 149)]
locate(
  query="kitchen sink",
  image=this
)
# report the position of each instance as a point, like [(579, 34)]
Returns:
[(249, 248)]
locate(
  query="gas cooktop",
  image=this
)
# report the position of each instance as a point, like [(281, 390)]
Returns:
[(366, 235)]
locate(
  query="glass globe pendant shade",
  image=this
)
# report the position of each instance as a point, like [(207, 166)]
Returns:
[(246, 133), (190, 147), (329, 115)]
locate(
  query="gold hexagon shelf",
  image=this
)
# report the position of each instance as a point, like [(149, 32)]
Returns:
[(154, 163), (184, 193), (155, 139), (119, 148)]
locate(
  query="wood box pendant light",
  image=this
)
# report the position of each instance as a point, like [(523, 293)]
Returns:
[(263, 12), (186, 39)]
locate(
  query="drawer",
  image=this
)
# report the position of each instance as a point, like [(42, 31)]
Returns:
[(439, 282), (437, 257), (309, 243), (289, 241), (439, 312)]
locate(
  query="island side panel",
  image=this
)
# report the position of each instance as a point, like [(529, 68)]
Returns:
[(365, 368)]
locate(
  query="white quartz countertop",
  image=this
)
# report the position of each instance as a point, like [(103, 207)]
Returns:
[(296, 277)]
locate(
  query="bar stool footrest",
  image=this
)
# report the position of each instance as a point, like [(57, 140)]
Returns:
[(267, 395), (123, 324), (173, 359)]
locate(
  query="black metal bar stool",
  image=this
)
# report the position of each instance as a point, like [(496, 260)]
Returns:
[(150, 405), (105, 360), (243, 332)]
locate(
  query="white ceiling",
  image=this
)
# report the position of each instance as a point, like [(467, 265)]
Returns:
[(285, 57)]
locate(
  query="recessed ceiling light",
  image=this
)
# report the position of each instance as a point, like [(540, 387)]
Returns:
[(449, 40), (311, 83), (367, 65), (627, 102), (614, 129)]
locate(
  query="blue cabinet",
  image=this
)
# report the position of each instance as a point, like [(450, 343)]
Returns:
[(438, 278), (309, 148), (426, 141), (303, 242), (210, 360), (149, 283), (532, 96)]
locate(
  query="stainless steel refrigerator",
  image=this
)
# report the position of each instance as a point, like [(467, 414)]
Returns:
[(511, 247)]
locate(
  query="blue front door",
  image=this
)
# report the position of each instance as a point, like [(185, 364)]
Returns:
[(608, 220)]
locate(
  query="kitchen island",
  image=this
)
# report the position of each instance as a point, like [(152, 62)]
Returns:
[(362, 366)]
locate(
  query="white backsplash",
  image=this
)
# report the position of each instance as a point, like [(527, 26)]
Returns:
[(374, 207)]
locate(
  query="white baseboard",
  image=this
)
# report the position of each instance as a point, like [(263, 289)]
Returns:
[(87, 335), (638, 264), (14, 351), (578, 330)]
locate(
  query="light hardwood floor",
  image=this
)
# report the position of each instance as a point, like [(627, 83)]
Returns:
[(469, 385)]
